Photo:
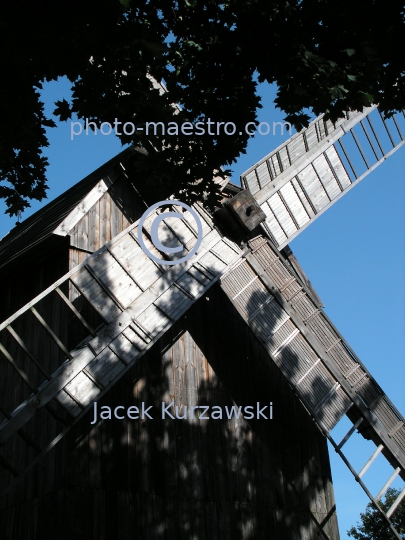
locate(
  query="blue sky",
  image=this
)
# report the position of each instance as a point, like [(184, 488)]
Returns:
[(354, 255)]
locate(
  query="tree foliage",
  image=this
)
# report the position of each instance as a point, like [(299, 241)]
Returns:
[(325, 55), (373, 525)]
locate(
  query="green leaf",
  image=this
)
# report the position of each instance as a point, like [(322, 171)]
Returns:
[(350, 52)]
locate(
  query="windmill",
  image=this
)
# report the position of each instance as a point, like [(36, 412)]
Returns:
[(104, 305)]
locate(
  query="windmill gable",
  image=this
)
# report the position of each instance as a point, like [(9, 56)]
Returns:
[(65, 232)]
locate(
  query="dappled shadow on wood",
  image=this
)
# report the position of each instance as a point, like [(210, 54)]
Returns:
[(193, 479), (189, 478)]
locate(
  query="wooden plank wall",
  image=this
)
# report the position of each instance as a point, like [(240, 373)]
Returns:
[(178, 479), (27, 281), (36, 271), (33, 274), (112, 213)]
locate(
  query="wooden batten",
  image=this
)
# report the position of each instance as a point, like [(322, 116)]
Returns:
[(84, 206), (112, 212)]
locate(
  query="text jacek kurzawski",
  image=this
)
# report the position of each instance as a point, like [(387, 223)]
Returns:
[(172, 411)]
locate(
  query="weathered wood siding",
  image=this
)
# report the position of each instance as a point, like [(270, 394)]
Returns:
[(183, 479), (29, 279), (116, 209), (30, 276), (112, 213)]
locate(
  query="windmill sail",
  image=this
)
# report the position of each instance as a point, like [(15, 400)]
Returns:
[(303, 177), (320, 366)]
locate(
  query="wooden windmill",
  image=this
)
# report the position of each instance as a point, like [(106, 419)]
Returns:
[(236, 325)]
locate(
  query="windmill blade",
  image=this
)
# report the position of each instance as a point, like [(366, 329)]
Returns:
[(303, 177), (316, 360)]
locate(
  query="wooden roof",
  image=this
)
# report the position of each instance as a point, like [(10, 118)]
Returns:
[(43, 224)]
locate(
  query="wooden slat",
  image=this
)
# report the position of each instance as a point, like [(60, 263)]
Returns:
[(51, 332), (9, 467), (360, 148), (75, 311), (22, 432), (26, 350), (21, 372), (96, 296), (89, 200)]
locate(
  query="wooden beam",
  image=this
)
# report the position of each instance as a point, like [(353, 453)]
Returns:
[(21, 372), (368, 171), (24, 435), (25, 349), (69, 370), (75, 311), (51, 333), (397, 456), (266, 192)]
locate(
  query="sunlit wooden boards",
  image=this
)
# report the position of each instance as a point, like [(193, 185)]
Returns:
[(303, 177), (310, 352), (286, 345), (296, 149), (138, 300)]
